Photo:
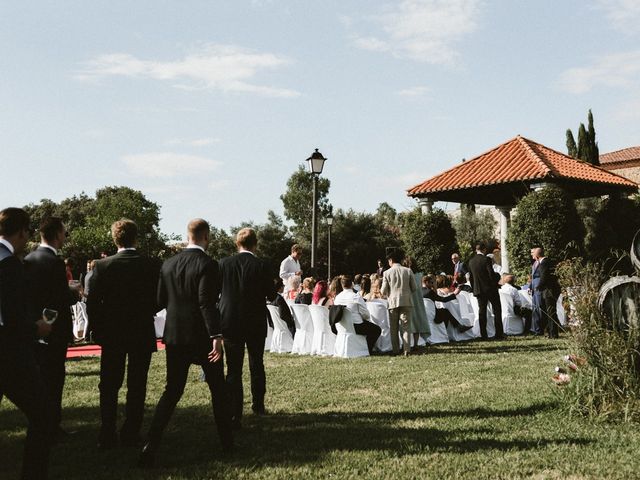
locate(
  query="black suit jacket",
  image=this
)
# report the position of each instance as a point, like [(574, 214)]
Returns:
[(245, 285), (483, 278), (47, 287), (17, 329), (548, 279), (189, 288), (122, 301)]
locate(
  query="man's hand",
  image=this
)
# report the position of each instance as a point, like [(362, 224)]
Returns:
[(43, 329), (456, 291), (216, 353)]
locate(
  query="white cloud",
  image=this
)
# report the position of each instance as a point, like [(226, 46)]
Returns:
[(219, 184), (614, 70), (423, 30), (226, 68), (168, 164), (624, 15), (418, 91), (198, 142)]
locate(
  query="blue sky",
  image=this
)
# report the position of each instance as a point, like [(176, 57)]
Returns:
[(209, 106)]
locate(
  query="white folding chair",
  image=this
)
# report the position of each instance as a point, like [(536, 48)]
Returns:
[(380, 316), (281, 341), (324, 340), (438, 330), (473, 301), (303, 339), (267, 340), (159, 321), (348, 343), (512, 324), (80, 320), (562, 315)]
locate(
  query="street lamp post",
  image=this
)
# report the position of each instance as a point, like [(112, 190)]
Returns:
[(316, 163), (329, 224)]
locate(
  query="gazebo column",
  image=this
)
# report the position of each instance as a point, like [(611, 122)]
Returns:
[(426, 204), (505, 220)]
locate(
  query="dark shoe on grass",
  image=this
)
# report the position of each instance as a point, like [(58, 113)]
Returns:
[(147, 457)]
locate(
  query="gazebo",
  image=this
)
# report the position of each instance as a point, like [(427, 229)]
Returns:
[(506, 173)]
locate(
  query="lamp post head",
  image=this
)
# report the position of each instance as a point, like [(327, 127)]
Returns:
[(316, 162), (330, 220)]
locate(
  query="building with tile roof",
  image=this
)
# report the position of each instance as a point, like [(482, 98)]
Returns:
[(625, 162)]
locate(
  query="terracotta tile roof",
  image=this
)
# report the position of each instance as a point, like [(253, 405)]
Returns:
[(619, 156), (517, 160)]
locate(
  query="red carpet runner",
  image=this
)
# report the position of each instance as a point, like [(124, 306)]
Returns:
[(93, 350)]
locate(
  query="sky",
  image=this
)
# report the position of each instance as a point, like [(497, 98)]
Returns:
[(208, 107)]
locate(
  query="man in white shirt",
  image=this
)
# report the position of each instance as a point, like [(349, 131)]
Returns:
[(519, 308), (290, 266), (356, 305)]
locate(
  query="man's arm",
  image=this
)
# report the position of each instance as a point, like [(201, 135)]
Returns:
[(94, 300), (284, 271), (208, 293), (385, 289), (362, 308)]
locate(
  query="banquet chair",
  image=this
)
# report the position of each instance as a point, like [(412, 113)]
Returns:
[(380, 316), (438, 330), (562, 315), (512, 324), (80, 320), (324, 340), (159, 321), (473, 301), (267, 340), (348, 343), (281, 341), (303, 339), (454, 334)]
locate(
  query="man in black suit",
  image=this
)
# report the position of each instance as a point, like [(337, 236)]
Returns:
[(245, 285), (189, 288), (47, 287), (549, 289), (484, 282), (121, 308), (20, 379)]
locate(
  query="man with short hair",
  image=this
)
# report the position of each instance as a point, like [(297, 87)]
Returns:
[(246, 284), (484, 282), (121, 307), (290, 266), (398, 284), (458, 265), (357, 306), (20, 379), (189, 287), (508, 286), (48, 288)]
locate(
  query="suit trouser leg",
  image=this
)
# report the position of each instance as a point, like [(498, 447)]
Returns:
[(234, 353), (537, 319), (214, 376), (482, 315), (51, 359), (137, 371), (112, 362), (178, 363), (21, 383), (549, 311), (369, 330), (497, 313), (255, 349), (405, 327), (394, 319)]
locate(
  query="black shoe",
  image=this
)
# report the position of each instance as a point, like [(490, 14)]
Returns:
[(259, 411), (500, 337), (107, 442), (464, 328), (129, 441), (147, 456), (236, 424)]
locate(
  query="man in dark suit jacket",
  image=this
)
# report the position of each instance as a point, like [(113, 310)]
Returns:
[(121, 308), (245, 285), (47, 287), (548, 288), (484, 282), (189, 288), (20, 379)]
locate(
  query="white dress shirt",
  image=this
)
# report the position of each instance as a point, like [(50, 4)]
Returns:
[(288, 268), (354, 303), (55, 252), (513, 293), (193, 245), (7, 244)]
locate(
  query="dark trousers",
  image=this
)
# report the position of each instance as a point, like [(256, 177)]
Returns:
[(112, 367), (483, 301), (444, 315), (21, 383), (234, 351), (369, 330), (51, 359), (179, 359), (537, 317), (549, 313)]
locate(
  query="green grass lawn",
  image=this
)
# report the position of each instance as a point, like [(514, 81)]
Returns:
[(475, 410)]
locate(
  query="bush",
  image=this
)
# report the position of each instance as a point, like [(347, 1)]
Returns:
[(608, 386), (429, 239), (472, 226), (548, 218)]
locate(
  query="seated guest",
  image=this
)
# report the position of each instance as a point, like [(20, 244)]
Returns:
[(356, 282), (335, 287), (365, 286), (376, 291), (461, 283), (443, 285), (283, 306), (356, 305), (442, 314), (293, 287), (320, 294), (508, 286), (306, 294)]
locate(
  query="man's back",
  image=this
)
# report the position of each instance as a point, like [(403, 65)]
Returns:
[(399, 283), (483, 278), (13, 300)]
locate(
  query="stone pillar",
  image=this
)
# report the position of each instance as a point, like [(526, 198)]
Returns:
[(505, 220), (426, 204)]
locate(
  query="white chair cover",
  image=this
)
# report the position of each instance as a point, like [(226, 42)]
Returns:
[(267, 341), (438, 330), (303, 339), (473, 301), (281, 340), (512, 324), (324, 340), (80, 320), (348, 343), (562, 315), (455, 308), (159, 321), (380, 316)]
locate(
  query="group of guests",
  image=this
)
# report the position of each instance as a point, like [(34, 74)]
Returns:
[(214, 311)]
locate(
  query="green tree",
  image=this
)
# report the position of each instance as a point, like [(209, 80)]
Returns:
[(472, 226), (221, 244), (547, 217), (587, 148), (572, 148), (429, 238)]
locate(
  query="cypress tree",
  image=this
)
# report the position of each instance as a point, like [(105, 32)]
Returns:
[(583, 143), (572, 149), (594, 153)]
